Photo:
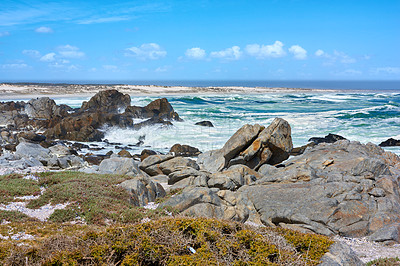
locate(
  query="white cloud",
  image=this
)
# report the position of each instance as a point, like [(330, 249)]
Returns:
[(103, 20), (110, 67), (56, 65), (44, 30), (162, 69), (4, 33), (266, 51), (50, 57), (336, 56), (343, 58), (14, 66), (349, 72), (151, 51), (319, 52), (31, 53), (232, 53), (195, 53), (69, 51), (387, 70), (298, 52)]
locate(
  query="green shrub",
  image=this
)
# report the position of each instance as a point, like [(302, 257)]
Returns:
[(63, 215), (384, 262)]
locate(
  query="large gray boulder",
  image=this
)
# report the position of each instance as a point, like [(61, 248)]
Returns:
[(119, 166), (211, 161), (45, 108), (340, 254), (233, 178), (251, 145), (166, 164), (32, 150), (344, 188), (142, 191)]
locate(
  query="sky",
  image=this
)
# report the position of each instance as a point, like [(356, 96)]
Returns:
[(199, 40)]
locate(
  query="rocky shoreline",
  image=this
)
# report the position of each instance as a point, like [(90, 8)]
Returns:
[(332, 186)]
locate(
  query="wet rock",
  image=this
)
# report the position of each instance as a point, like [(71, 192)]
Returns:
[(10, 147), (125, 153), (31, 136), (184, 150), (159, 108), (146, 153), (95, 159), (330, 138), (107, 101), (152, 121), (300, 150), (79, 146), (204, 124), (390, 142)]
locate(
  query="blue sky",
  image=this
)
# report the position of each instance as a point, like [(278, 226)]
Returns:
[(200, 40)]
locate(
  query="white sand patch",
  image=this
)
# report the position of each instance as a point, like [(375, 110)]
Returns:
[(14, 170), (367, 250), (42, 213), (31, 197), (151, 206)]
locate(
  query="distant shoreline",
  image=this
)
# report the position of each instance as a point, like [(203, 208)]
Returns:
[(19, 90)]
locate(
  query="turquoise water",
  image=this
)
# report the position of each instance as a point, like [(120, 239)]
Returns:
[(365, 117)]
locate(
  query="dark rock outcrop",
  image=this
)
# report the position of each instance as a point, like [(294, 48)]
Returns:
[(184, 150), (330, 138), (146, 153), (107, 101), (205, 124), (390, 142), (159, 108)]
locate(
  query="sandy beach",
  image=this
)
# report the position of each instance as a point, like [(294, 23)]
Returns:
[(9, 90)]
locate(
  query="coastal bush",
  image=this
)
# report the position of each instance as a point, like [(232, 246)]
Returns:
[(384, 262), (167, 241), (14, 216), (14, 185), (96, 198)]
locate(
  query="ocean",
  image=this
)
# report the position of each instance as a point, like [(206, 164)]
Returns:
[(368, 115), (365, 117)]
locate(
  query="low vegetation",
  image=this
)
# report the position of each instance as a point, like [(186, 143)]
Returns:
[(100, 227), (168, 241), (384, 262)]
